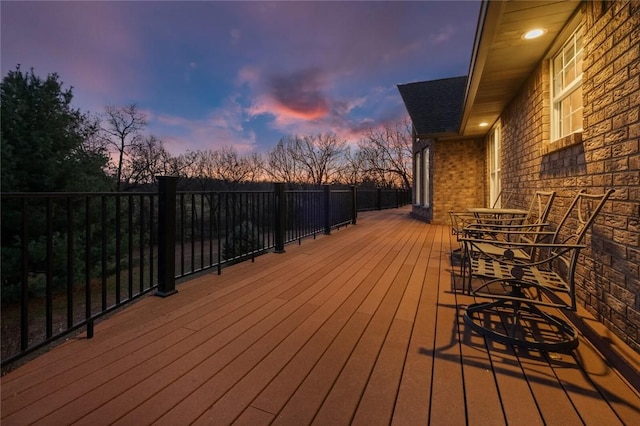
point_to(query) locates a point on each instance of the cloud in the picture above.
(68, 38)
(241, 73)
(443, 35)
(300, 94)
(221, 127)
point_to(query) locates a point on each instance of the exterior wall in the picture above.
(424, 213)
(608, 155)
(458, 177)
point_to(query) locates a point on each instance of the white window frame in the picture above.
(495, 170)
(425, 167)
(563, 90)
(418, 177)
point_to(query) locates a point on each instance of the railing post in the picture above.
(166, 236)
(280, 216)
(354, 204)
(397, 198)
(327, 209)
(379, 198)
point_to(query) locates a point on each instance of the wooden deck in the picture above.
(360, 327)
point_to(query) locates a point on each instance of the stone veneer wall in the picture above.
(458, 177)
(607, 155)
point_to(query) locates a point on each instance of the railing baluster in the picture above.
(118, 248)
(202, 231)
(151, 240)
(49, 296)
(182, 234)
(211, 224)
(130, 248)
(24, 297)
(103, 263)
(87, 267)
(193, 232)
(70, 263)
(218, 236)
(141, 242)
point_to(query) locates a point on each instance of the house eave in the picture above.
(502, 60)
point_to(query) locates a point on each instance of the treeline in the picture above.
(49, 146)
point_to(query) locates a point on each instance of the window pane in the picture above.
(565, 116)
(567, 68)
(569, 73)
(425, 187)
(418, 179)
(576, 108)
(579, 63)
(576, 99)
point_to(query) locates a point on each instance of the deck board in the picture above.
(363, 326)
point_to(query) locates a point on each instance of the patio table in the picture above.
(498, 215)
(483, 211)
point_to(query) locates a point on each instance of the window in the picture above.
(425, 185)
(495, 176)
(421, 178)
(566, 91)
(418, 178)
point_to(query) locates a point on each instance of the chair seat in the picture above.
(491, 249)
(531, 275)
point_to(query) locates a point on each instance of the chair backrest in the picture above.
(539, 207)
(502, 200)
(579, 216)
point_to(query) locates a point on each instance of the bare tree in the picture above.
(121, 131)
(255, 164)
(147, 159)
(226, 165)
(352, 172)
(387, 153)
(321, 156)
(230, 167)
(281, 164)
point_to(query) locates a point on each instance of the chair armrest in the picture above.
(552, 250)
(523, 228)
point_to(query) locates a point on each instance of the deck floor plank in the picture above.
(482, 397)
(414, 392)
(351, 378)
(363, 326)
(447, 397)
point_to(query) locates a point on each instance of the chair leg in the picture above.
(522, 314)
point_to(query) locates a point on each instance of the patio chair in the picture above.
(503, 198)
(497, 225)
(525, 229)
(519, 285)
(462, 219)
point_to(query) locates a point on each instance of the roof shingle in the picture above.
(434, 106)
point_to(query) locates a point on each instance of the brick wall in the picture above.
(607, 155)
(458, 177)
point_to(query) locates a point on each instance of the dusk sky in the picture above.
(212, 74)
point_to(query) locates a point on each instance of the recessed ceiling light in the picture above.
(483, 124)
(534, 33)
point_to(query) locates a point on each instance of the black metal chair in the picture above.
(519, 285)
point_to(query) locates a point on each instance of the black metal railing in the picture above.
(70, 258)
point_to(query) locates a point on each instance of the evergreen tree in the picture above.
(44, 140)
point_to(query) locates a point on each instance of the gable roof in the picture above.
(435, 106)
